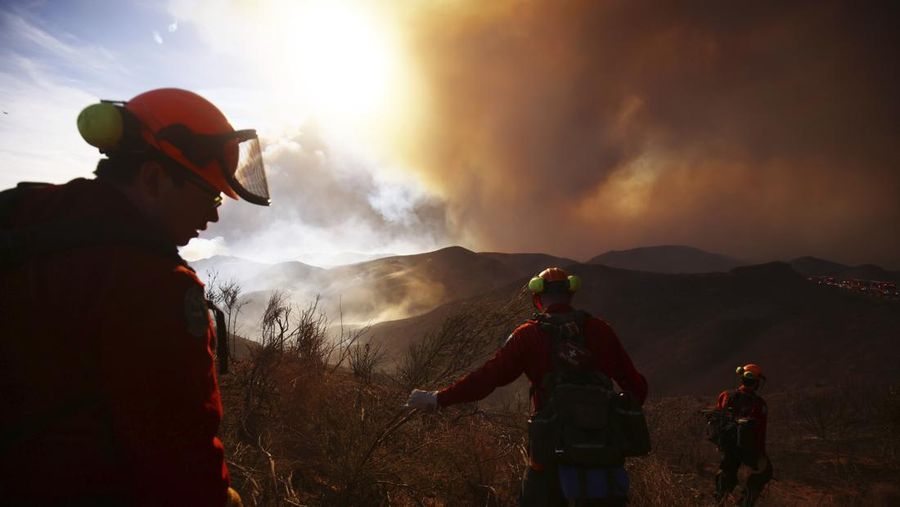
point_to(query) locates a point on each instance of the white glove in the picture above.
(234, 499)
(422, 400)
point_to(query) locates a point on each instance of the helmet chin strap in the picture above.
(536, 301)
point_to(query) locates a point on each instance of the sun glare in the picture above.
(333, 60)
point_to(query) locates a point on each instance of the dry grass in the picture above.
(303, 431)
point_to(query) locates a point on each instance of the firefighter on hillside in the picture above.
(109, 391)
(742, 438)
(536, 349)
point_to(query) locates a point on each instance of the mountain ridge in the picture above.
(667, 259)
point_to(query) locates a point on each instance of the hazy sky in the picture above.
(759, 130)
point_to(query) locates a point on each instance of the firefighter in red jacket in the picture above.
(109, 391)
(528, 351)
(745, 414)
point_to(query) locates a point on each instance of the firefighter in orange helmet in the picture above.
(107, 378)
(538, 349)
(744, 416)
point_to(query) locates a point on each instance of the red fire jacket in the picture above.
(106, 371)
(750, 406)
(528, 350)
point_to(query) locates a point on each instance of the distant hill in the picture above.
(401, 286)
(687, 332)
(667, 259)
(528, 263)
(813, 266)
(251, 275)
(235, 266)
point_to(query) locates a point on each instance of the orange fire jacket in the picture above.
(106, 368)
(750, 406)
(528, 351)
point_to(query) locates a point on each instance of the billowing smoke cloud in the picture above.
(760, 130)
(329, 200)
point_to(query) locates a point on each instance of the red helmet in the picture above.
(552, 286)
(554, 279)
(751, 376)
(186, 128)
(750, 371)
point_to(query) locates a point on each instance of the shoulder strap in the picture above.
(561, 328)
(735, 398)
(222, 352)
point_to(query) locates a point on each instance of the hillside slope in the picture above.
(687, 332)
(813, 266)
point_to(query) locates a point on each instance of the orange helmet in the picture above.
(749, 371)
(554, 280)
(187, 129)
(552, 286)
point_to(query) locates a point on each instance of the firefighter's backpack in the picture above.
(729, 429)
(583, 421)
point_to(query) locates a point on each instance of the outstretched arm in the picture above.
(506, 366)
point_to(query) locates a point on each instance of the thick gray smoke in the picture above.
(761, 130)
(328, 202)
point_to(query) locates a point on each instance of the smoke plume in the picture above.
(761, 130)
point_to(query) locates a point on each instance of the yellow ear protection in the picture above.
(538, 285)
(746, 374)
(110, 127)
(101, 125)
(749, 375)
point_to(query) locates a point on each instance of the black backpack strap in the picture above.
(735, 400)
(221, 337)
(543, 322)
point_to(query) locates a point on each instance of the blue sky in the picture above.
(61, 56)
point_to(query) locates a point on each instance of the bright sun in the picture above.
(333, 60)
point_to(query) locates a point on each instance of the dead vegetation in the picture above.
(314, 421)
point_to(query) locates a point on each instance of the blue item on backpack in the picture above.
(579, 482)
